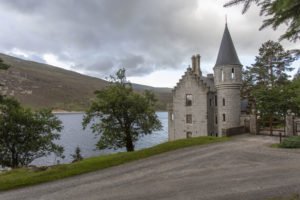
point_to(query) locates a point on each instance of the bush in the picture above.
(291, 142)
(77, 156)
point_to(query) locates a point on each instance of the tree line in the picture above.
(268, 87)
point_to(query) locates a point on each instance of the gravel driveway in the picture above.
(243, 168)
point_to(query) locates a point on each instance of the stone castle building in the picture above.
(211, 105)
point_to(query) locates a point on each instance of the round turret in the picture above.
(228, 81)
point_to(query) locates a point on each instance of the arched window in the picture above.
(232, 73)
(172, 116)
(223, 101)
(224, 118)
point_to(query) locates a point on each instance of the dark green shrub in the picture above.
(291, 142)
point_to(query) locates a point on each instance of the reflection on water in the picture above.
(73, 135)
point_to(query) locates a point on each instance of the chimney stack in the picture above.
(198, 70)
(194, 63)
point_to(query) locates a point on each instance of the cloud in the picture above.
(99, 36)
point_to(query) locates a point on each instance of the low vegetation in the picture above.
(25, 176)
(291, 142)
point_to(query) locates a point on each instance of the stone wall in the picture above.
(178, 127)
(245, 121)
(292, 124)
(228, 113)
(233, 131)
(228, 79)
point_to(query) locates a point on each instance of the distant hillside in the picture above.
(39, 85)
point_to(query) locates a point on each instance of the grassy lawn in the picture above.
(25, 177)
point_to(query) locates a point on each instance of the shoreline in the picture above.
(67, 112)
(80, 112)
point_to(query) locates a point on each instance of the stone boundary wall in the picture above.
(233, 131)
(292, 124)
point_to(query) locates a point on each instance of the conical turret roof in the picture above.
(227, 54)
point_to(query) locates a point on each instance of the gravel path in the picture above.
(244, 168)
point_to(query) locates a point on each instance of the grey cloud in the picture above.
(99, 36)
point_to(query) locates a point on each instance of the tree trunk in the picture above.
(271, 124)
(129, 144)
(14, 159)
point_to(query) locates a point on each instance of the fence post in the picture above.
(280, 137)
(253, 122)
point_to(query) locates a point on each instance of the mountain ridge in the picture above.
(37, 85)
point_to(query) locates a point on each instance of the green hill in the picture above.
(39, 85)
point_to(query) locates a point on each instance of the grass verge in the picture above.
(25, 177)
(291, 142)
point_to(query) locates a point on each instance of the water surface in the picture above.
(73, 135)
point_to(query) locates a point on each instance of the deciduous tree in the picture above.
(120, 115)
(26, 135)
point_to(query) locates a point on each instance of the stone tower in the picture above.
(228, 80)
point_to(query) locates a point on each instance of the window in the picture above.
(209, 102)
(232, 73)
(216, 120)
(189, 134)
(172, 116)
(224, 118)
(188, 100)
(223, 101)
(222, 75)
(189, 119)
(216, 101)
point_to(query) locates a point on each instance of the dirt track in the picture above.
(244, 168)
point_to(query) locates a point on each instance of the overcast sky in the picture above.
(152, 39)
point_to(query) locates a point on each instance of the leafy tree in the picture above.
(295, 86)
(266, 83)
(120, 115)
(26, 135)
(274, 102)
(279, 12)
